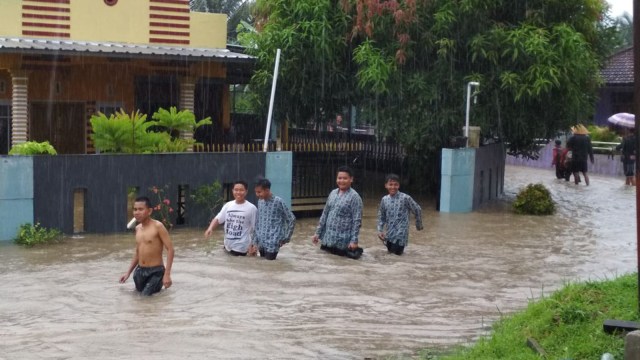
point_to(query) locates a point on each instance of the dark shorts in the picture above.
(235, 253)
(352, 254)
(267, 254)
(148, 279)
(579, 166)
(394, 248)
(629, 169)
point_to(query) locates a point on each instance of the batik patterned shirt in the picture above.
(341, 219)
(394, 214)
(275, 224)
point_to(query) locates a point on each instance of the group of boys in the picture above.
(249, 230)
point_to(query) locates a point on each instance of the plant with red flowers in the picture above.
(162, 211)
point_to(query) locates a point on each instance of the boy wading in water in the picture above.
(275, 222)
(151, 238)
(239, 218)
(394, 215)
(341, 218)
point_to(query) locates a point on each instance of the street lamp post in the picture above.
(466, 122)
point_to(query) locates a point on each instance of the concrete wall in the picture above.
(44, 189)
(603, 164)
(488, 181)
(106, 179)
(279, 170)
(131, 21)
(471, 177)
(16, 194)
(456, 189)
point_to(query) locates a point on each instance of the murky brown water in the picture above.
(456, 277)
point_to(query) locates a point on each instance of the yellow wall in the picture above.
(208, 30)
(127, 21)
(10, 17)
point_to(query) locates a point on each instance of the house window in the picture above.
(5, 128)
(240, 101)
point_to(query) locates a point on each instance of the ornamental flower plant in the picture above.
(163, 211)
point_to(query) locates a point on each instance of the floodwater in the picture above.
(457, 277)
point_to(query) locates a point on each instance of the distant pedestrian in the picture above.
(339, 225)
(393, 216)
(559, 154)
(275, 222)
(579, 144)
(628, 148)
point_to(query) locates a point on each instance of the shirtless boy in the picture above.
(151, 238)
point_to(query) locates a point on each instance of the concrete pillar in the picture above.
(187, 101)
(632, 345)
(19, 107)
(279, 170)
(457, 179)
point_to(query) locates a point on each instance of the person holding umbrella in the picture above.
(628, 145)
(628, 148)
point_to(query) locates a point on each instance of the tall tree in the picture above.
(537, 63)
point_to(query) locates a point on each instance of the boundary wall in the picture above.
(93, 190)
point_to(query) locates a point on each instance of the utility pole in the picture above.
(636, 111)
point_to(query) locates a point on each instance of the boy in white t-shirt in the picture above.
(239, 219)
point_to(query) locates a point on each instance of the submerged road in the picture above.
(457, 277)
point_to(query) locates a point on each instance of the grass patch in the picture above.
(568, 324)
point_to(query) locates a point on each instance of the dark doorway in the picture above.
(62, 124)
(5, 126)
(155, 92)
(208, 102)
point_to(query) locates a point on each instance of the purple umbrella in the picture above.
(623, 119)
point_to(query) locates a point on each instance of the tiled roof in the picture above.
(46, 46)
(619, 68)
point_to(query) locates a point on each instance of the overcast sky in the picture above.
(618, 7)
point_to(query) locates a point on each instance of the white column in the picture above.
(19, 107)
(187, 101)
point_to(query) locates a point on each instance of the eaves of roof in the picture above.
(112, 49)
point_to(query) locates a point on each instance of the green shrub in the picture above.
(33, 148)
(602, 133)
(209, 195)
(534, 200)
(30, 235)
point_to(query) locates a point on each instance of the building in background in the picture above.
(61, 61)
(616, 94)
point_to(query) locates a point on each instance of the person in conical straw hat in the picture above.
(580, 146)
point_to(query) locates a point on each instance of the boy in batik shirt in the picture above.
(341, 218)
(275, 222)
(394, 214)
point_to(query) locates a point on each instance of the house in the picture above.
(61, 61)
(616, 95)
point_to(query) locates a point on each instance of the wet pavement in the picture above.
(456, 278)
